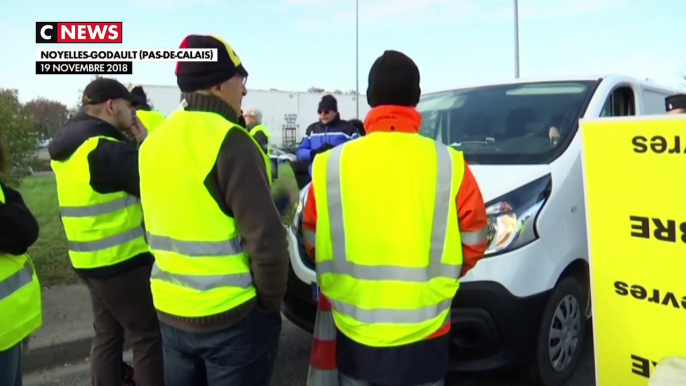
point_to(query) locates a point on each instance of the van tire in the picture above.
(569, 294)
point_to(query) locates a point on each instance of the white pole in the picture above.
(516, 34)
(357, 58)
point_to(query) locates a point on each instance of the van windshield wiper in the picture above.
(486, 141)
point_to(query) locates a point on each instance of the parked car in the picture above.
(282, 156)
(526, 304)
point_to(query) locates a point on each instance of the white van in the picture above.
(526, 302)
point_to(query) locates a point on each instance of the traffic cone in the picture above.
(323, 370)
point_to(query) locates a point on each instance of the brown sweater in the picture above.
(240, 185)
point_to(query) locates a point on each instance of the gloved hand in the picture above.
(321, 149)
(325, 147)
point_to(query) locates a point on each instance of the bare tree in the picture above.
(48, 115)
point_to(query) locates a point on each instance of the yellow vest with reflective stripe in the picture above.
(388, 245)
(261, 128)
(20, 298)
(102, 229)
(150, 119)
(200, 268)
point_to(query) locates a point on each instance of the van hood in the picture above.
(497, 180)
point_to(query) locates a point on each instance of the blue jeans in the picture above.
(242, 355)
(11, 363)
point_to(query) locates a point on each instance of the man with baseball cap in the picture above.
(96, 167)
(221, 259)
(676, 104)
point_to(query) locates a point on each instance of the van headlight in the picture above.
(299, 208)
(512, 217)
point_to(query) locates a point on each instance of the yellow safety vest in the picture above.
(102, 229)
(388, 245)
(20, 298)
(200, 268)
(261, 128)
(150, 119)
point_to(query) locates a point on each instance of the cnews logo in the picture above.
(78, 32)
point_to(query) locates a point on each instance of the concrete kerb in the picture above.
(67, 331)
(57, 354)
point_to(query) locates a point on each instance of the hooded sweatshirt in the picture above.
(18, 227)
(113, 168)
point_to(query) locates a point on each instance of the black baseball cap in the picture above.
(103, 89)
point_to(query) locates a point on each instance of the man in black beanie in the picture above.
(221, 254)
(391, 300)
(328, 132)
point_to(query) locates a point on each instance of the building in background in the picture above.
(285, 113)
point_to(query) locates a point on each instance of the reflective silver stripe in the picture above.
(19, 279)
(109, 242)
(389, 315)
(309, 237)
(388, 272)
(99, 209)
(319, 377)
(195, 248)
(340, 264)
(203, 282)
(474, 238)
(324, 326)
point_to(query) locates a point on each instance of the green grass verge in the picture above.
(50, 251)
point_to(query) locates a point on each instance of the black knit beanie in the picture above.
(393, 80)
(140, 93)
(194, 76)
(328, 102)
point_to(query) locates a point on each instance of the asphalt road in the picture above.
(291, 368)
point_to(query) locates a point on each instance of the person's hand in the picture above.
(282, 200)
(554, 135)
(138, 130)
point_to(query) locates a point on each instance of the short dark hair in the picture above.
(359, 125)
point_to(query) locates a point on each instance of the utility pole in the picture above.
(516, 34)
(357, 58)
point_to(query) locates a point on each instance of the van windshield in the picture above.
(505, 124)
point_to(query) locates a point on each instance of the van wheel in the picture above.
(562, 333)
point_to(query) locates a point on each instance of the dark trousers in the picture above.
(241, 355)
(345, 380)
(124, 303)
(11, 363)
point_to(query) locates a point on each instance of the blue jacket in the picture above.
(317, 134)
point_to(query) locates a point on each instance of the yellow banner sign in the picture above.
(635, 183)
